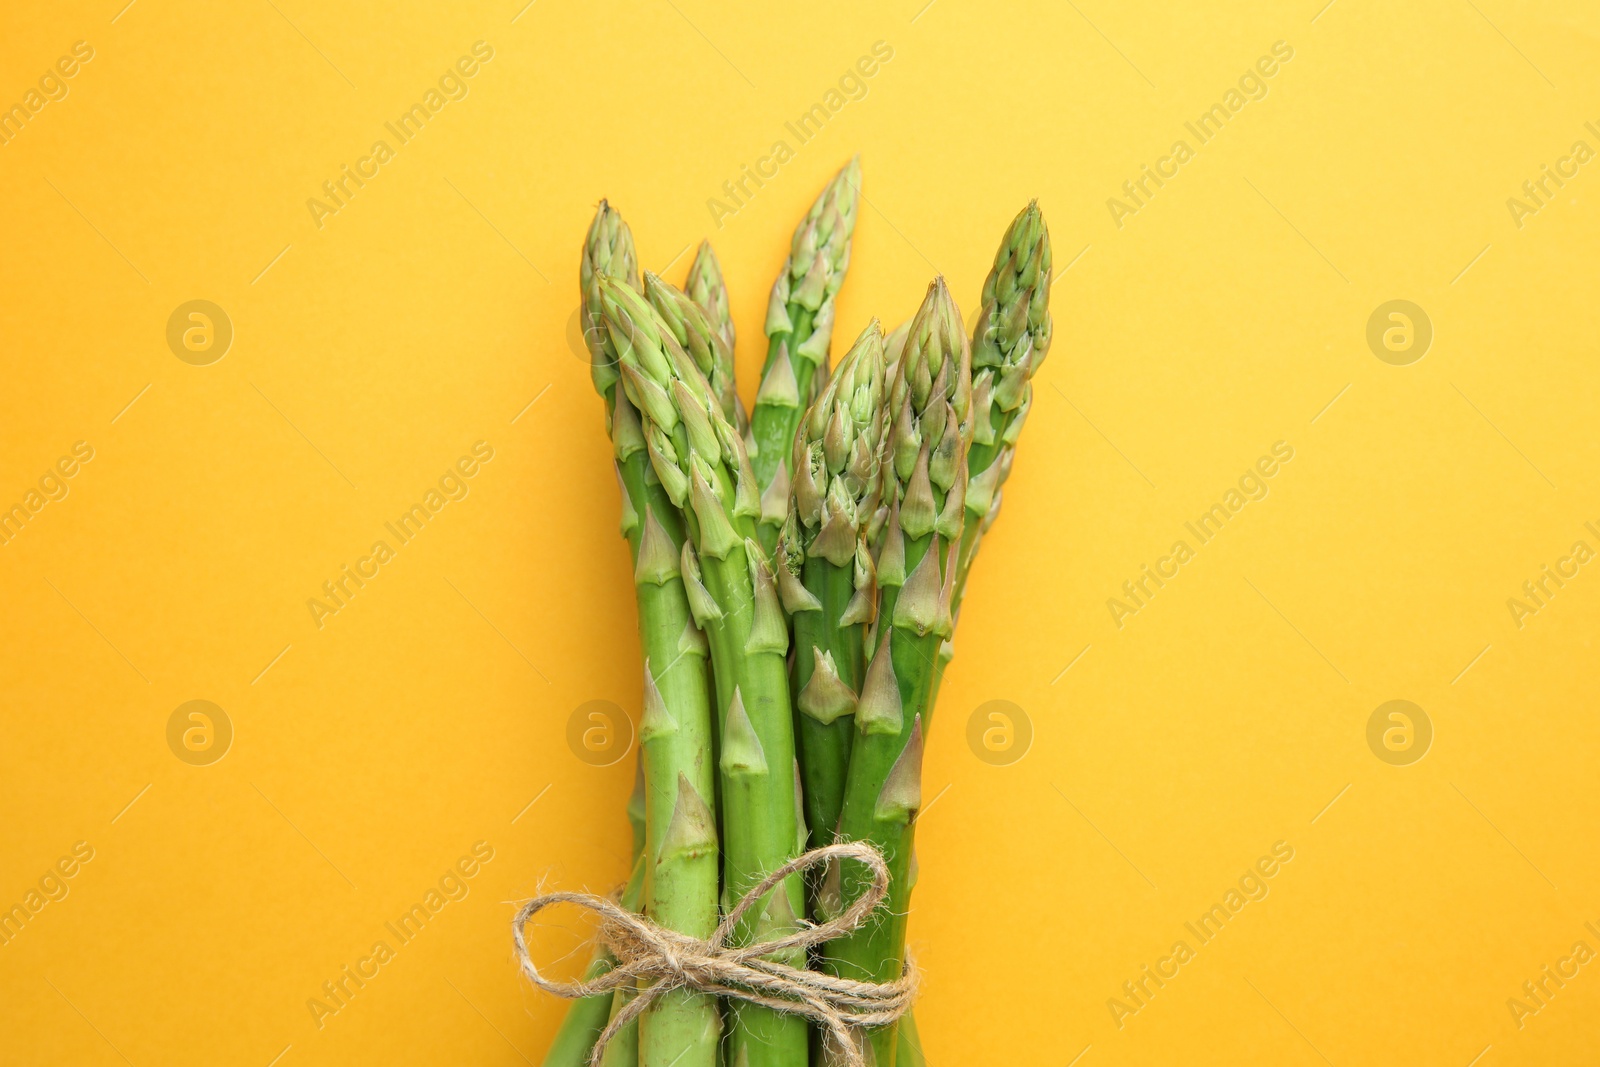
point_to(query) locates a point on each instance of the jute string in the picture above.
(656, 960)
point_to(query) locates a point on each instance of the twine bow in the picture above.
(657, 960)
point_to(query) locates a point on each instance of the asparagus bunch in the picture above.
(703, 468)
(930, 402)
(679, 848)
(872, 487)
(799, 328)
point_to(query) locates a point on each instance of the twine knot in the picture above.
(656, 960)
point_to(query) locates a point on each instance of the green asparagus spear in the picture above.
(588, 1016)
(894, 347)
(827, 576)
(910, 1051)
(703, 467)
(623, 1049)
(675, 737)
(680, 1027)
(1009, 342)
(680, 845)
(706, 287)
(799, 327)
(931, 406)
(584, 1019)
(607, 253)
(693, 328)
(636, 806)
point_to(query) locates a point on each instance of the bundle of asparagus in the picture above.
(798, 572)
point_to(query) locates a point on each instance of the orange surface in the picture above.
(188, 492)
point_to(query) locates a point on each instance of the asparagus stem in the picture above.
(675, 737)
(608, 251)
(623, 1049)
(680, 843)
(583, 1022)
(588, 1016)
(635, 809)
(835, 512)
(824, 742)
(910, 1043)
(931, 404)
(703, 467)
(799, 327)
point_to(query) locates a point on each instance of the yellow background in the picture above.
(426, 315)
